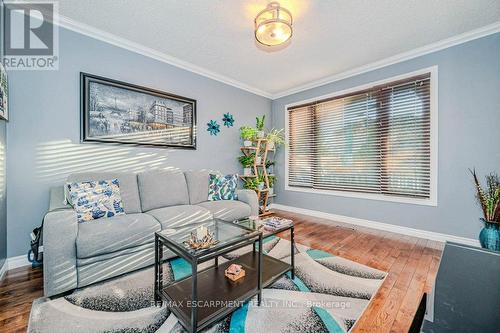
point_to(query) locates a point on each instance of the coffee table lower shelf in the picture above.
(217, 295)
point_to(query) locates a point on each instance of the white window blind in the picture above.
(371, 141)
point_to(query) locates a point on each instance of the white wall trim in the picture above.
(430, 48)
(12, 263)
(16, 262)
(436, 236)
(124, 43)
(112, 39)
(433, 199)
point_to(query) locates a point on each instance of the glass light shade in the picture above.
(273, 25)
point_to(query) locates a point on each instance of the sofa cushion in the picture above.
(197, 182)
(227, 210)
(128, 186)
(175, 216)
(162, 189)
(222, 187)
(115, 234)
(93, 200)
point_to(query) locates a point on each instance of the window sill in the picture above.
(370, 196)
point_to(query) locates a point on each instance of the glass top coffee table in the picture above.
(206, 296)
(257, 225)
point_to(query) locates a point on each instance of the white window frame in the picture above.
(432, 200)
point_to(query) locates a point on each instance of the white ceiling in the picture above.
(330, 36)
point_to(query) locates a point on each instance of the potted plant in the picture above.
(260, 126)
(246, 161)
(275, 138)
(247, 133)
(269, 163)
(258, 160)
(250, 183)
(261, 181)
(271, 180)
(489, 200)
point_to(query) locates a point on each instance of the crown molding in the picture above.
(112, 39)
(430, 48)
(124, 43)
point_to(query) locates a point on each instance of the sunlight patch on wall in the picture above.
(55, 160)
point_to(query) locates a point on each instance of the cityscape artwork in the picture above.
(118, 112)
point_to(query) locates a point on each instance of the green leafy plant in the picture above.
(261, 178)
(251, 183)
(276, 137)
(246, 160)
(260, 123)
(272, 180)
(489, 197)
(248, 133)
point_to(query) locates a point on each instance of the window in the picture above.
(372, 142)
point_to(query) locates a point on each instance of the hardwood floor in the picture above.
(412, 264)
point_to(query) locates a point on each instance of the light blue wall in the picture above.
(43, 134)
(469, 133)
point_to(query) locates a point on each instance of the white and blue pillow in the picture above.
(222, 187)
(93, 200)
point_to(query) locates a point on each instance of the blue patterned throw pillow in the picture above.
(96, 199)
(222, 187)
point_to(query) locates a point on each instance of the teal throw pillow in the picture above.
(222, 187)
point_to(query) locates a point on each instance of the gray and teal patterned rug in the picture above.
(328, 294)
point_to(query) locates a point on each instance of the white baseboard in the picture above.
(436, 236)
(16, 262)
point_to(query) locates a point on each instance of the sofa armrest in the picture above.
(57, 200)
(60, 229)
(249, 197)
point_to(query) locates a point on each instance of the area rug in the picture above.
(328, 294)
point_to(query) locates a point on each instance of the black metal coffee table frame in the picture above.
(195, 259)
(268, 233)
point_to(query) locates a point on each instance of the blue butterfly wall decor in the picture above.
(228, 119)
(213, 128)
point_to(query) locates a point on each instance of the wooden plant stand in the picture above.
(260, 149)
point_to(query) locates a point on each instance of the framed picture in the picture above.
(4, 94)
(119, 112)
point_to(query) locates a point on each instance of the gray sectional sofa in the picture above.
(78, 254)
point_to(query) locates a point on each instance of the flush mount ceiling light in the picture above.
(273, 25)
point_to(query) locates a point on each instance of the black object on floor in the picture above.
(418, 320)
(466, 293)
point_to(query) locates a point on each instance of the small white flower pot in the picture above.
(258, 160)
(260, 186)
(260, 134)
(247, 171)
(270, 145)
(247, 143)
(271, 191)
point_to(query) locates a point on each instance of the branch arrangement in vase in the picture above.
(489, 200)
(489, 197)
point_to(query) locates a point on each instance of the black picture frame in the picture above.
(145, 120)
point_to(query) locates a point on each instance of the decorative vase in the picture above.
(489, 237)
(247, 171)
(247, 143)
(260, 134)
